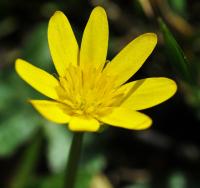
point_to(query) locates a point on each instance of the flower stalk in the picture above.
(73, 160)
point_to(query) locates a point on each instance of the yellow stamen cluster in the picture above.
(88, 91)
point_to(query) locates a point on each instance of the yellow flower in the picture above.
(90, 92)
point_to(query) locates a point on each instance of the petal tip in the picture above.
(17, 61)
(19, 65)
(16, 64)
(31, 101)
(145, 125)
(99, 10)
(173, 86)
(57, 13)
(152, 36)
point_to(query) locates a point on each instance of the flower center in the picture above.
(88, 91)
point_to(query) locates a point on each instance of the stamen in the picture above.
(88, 91)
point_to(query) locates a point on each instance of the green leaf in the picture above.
(25, 170)
(36, 48)
(15, 131)
(177, 180)
(139, 185)
(6, 94)
(89, 170)
(176, 56)
(179, 6)
(59, 141)
(55, 181)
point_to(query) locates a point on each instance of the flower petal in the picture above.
(95, 40)
(81, 123)
(131, 58)
(62, 42)
(37, 78)
(145, 93)
(126, 118)
(51, 110)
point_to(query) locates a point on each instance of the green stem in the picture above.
(73, 160)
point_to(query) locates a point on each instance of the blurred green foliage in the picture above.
(179, 6)
(177, 57)
(34, 152)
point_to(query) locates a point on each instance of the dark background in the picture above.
(33, 152)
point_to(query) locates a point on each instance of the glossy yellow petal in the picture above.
(126, 118)
(62, 42)
(131, 58)
(81, 123)
(145, 93)
(37, 78)
(95, 40)
(51, 110)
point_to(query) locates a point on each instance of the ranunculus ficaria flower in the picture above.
(88, 91)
